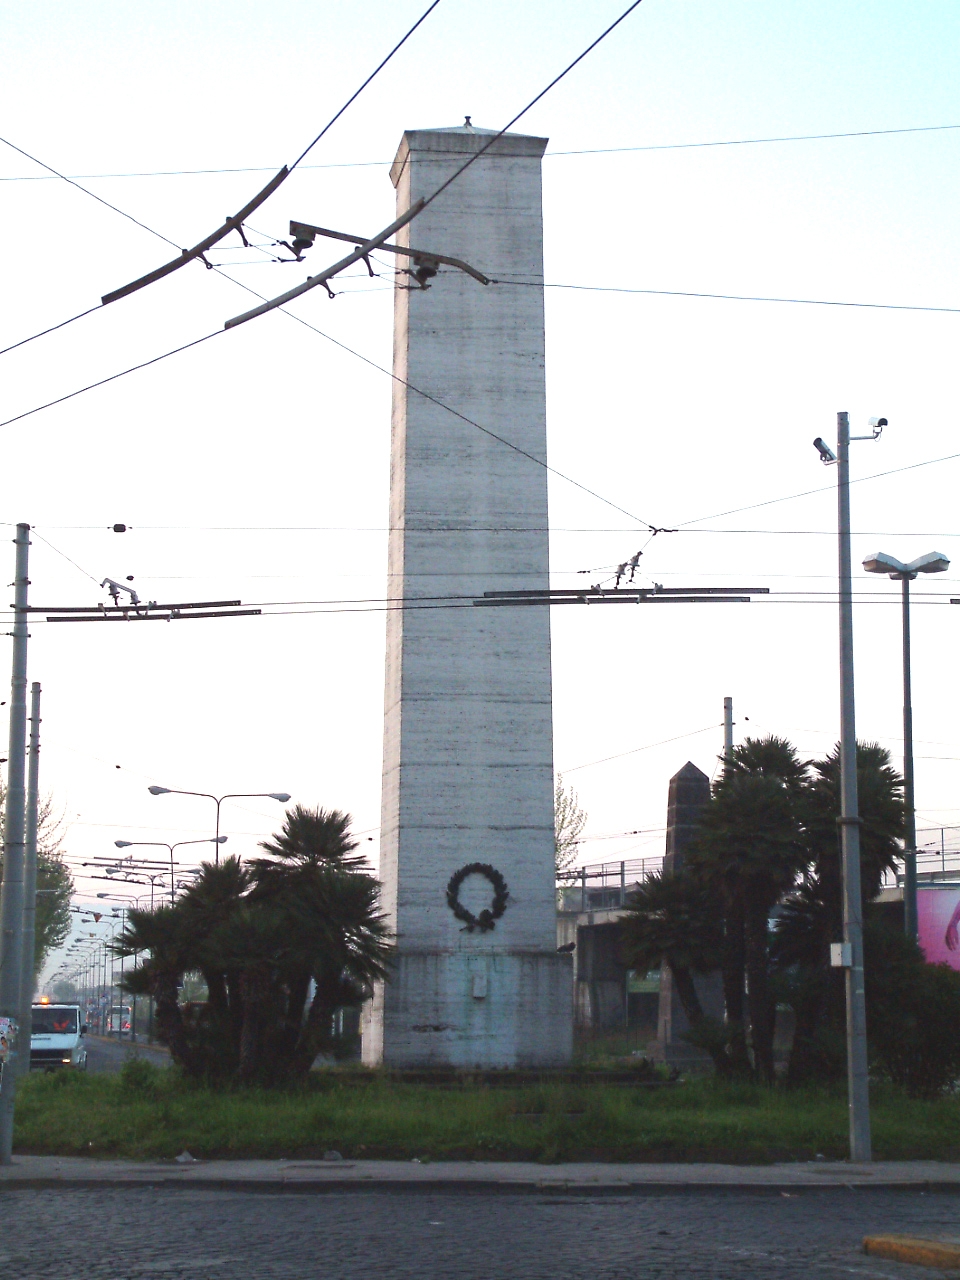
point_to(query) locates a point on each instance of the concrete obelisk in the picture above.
(468, 732)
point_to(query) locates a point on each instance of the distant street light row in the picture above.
(280, 796)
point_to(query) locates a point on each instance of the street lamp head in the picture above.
(880, 562)
(219, 840)
(159, 791)
(932, 562)
(279, 795)
(123, 844)
(827, 456)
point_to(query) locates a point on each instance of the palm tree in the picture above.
(281, 944)
(811, 915)
(673, 919)
(750, 850)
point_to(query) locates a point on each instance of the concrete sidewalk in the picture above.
(508, 1177)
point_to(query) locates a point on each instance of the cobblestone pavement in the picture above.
(138, 1234)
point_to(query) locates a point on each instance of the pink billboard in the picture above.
(938, 920)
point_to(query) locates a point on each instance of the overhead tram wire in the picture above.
(236, 222)
(584, 151)
(724, 297)
(188, 255)
(416, 209)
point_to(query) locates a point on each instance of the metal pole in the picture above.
(858, 1087)
(27, 974)
(216, 846)
(728, 729)
(909, 813)
(11, 896)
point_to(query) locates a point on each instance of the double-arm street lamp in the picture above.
(281, 796)
(218, 840)
(932, 562)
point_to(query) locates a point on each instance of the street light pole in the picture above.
(282, 796)
(932, 562)
(162, 844)
(909, 797)
(11, 895)
(30, 873)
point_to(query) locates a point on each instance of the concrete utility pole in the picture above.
(857, 1080)
(11, 897)
(30, 879)
(728, 729)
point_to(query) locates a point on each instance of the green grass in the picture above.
(144, 1113)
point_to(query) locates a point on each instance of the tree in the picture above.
(750, 852)
(811, 918)
(673, 919)
(53, 877)
(568, 823)
(768, 848)
(281, 943)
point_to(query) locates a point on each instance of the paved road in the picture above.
(150, 1234)
(108, 1055)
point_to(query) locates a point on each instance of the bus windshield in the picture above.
(48, 1020)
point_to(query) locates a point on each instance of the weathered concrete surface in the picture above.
(306, 1175)
(468, 734)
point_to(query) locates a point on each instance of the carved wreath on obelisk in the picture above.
(488, 917)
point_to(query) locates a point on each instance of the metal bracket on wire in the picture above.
(621, 595)
(360, 252)
(143, 612)
(425, 263)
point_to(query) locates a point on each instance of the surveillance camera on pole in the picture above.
(849, 821)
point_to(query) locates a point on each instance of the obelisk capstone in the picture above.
(468, 731)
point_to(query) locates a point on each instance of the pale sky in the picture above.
(256, 465)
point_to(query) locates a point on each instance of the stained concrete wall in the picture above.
(468, 755)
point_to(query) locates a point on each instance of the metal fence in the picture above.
(605, 886)
(602, 886)
(938, 857)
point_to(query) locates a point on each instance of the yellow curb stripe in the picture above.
(922, 1253)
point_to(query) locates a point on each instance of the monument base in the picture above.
(472, 1009)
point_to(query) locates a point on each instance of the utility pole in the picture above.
(857, 1080)
(728, 729)
(11, 896)
(30, 880)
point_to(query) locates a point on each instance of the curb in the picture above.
(497, 1186)
(914, 1249)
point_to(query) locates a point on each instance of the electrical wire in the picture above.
(423, 17)
(112, 378)
(56, 173)
(588, 151)
(727, 297)
(828, 488)
(709, 728)
(37, 534)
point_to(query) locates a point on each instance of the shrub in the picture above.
(913, 1018)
